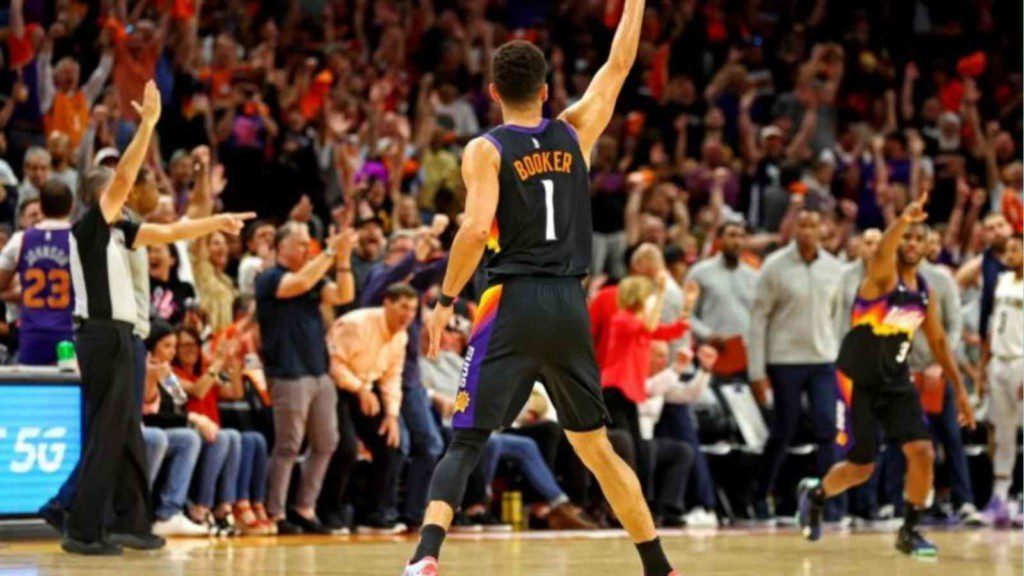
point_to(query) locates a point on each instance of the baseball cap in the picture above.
(108, 153)
(769, 131)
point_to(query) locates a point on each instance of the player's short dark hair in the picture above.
(400, 291)
(812, 208)
(923, 226)
(55, 199)
(519, 70)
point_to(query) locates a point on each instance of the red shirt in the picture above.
(1013, 210)
(629, 353)
(207, 405)
(602, 308)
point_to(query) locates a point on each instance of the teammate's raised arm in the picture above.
(590, 116)
(881, 268)
(113, 198)
(480, 164)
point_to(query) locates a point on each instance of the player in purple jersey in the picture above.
(41, 258)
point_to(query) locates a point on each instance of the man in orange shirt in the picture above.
(65, 105)
(367, 348)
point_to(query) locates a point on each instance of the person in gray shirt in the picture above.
(793, 344)
(726, 291)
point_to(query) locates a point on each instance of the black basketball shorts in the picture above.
(871, 406)
(530, 329)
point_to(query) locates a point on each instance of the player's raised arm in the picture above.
(590, 116)
(881, 268)
(113, 198)
(480, 164)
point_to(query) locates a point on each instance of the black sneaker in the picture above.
(763, 513)
(286, 528)
(809, 513)
(308, 526)
(672, 521)
(98, 548)
(225, 525)
(137, 541)
(54, 514)
(337, 524)
(910, 542)
(488, 522)
(462, 524)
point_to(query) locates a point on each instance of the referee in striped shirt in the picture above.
(113, 468)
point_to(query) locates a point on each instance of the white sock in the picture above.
(1001, 488)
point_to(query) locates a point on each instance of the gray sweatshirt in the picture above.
(726, 297)
(943, 288)
(853, 276)
(795, 311)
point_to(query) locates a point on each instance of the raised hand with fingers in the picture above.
(149, 110)
(914, 213)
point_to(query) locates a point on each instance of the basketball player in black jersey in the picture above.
(874, 381)
(528, 198)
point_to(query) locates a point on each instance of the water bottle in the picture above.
(67, 361)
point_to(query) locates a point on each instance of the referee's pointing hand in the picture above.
(233, 222)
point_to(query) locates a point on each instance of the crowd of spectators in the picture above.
(750, 134)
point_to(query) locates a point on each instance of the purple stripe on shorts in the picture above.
(475, 355)
(490, 138)
(528, 129)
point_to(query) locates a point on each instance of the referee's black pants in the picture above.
(113, 464)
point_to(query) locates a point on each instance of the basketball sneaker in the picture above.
(809, 513)
(912, 543)
(425, 567)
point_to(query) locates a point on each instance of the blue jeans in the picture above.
(788, 382)
(252, 471)
(156, 449)
(219, 462)
(527, 456)
(425, 447)
(945, 431)
(182, 453)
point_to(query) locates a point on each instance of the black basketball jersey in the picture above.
(543, 225)
(882, 332)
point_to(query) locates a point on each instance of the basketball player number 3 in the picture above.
(549, 203)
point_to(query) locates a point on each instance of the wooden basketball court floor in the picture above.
(695, 552)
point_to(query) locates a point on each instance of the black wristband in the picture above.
(445, 300)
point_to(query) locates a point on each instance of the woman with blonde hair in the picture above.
(633, 328)
(216, 290)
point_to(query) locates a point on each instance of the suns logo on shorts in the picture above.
(461, 401)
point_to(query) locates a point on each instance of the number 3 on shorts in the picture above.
(549, 211)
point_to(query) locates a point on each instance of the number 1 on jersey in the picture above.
(549, 204)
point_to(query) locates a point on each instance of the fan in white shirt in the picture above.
(665, 385)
